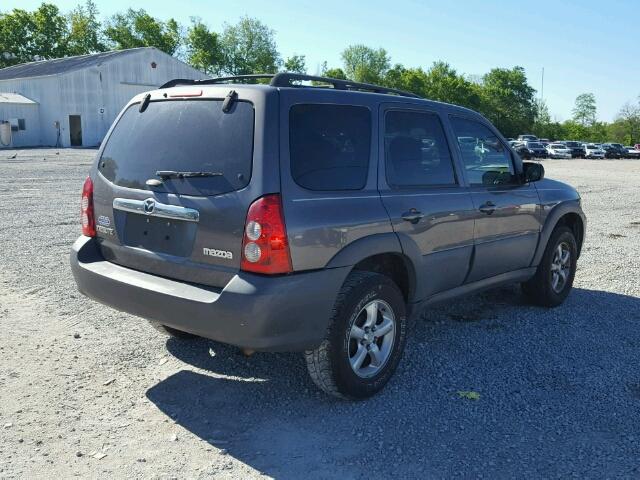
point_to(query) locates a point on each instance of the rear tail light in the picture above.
(265, 248)
(86, 209)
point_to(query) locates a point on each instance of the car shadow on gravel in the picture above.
(558, 396)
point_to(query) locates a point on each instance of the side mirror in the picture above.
(533, 172)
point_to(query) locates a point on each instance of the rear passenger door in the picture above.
(507, 225)
(430, 210)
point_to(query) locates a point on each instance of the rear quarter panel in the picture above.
(321, 223)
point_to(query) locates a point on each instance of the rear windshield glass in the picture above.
(329, 146)
(182, 136)
(535, 145)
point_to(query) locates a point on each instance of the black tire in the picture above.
(172, 332)
(329, 364)
(540, 288)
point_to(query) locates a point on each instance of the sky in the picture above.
(583, 46)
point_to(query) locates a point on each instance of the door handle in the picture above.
(488, 207)
(412, 216)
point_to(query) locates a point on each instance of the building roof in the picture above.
(63, 65)
(16, 98)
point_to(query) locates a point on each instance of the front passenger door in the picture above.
(507, 223)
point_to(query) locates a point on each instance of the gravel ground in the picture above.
(87, 391)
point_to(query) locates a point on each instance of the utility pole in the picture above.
(542, 87)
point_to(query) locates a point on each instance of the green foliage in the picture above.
(136, 28)
(249, 47)
(204, 51)
(334, 73)
(508, 100)
(584, 111)
(295, 64)
(365, 64)
(441, 83)
(84, 30)
(626, 127)
(28, 36)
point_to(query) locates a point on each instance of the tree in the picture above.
(365, 64)
(28, 36)
(445, 85)
(295, 64)
(84, 30)
(409, 79)
(136, 28)
(204, 51)
(584, 111)
(508, 100)
(249, 47)
(325, 71)
(626, 127)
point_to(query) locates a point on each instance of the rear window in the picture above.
(329, 146)
(183, 136)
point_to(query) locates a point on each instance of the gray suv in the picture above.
(283, 216)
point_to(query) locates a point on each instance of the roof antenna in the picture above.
(231, 97)
(145, 102)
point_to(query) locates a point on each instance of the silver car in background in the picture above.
(593, 151)
(558, 150)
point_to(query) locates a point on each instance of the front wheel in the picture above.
(365, 338)
(553, 280)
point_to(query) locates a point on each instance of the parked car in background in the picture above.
(593, 151)
(637, 146)
(632, 152)
(558, 150)
(527, 138)
(537, 149)
(577, 150)
(620, 148)
(610, 151)
(521, 149)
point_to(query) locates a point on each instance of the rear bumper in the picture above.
(284, 313)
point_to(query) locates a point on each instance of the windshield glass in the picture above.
(535, 145)
(181, 136)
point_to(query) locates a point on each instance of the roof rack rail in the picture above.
(287, 79)
(212, 81)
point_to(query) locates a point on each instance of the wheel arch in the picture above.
(380, 253)
(568, 214)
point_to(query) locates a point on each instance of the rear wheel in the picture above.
(553, 280)
(172, 332)
(365, 338)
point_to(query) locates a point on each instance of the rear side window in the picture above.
(329, 146)
(416, 151)
(182, 136)
(486, 160)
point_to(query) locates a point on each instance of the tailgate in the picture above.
(173, 186)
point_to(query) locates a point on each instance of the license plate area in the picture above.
(174, 237)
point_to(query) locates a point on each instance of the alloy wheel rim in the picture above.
(371, 338)
(560, 267)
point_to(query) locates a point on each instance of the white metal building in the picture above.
(73, 101)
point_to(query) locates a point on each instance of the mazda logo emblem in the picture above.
(149, 206)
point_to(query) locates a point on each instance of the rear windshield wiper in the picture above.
(175, 174)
